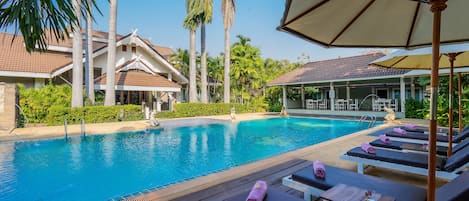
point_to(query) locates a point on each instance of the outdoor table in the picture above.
(342, 192)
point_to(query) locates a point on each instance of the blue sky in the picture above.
(161, 21)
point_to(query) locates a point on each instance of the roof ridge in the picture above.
(345, 58)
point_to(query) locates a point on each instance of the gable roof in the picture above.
(14, 58)
(342, 69)
(137, 78)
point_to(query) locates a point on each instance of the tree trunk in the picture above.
(203, 66)
(77, 86)
(89, 56)
(226, 91)
(192, 69)
(110, 98)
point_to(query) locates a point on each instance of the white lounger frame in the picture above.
(361, 162)
(307, 190)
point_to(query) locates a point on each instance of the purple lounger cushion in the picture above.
(258, 191)
(440, 150)
(335, 176)
(409, 159)
(272, 195)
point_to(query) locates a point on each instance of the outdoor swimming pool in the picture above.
(102, 167)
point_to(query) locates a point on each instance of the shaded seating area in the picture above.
(447, 168)
(306, 182)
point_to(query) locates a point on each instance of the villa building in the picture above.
(350, 86)
(143, 73)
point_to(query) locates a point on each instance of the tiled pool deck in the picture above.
(328, 152)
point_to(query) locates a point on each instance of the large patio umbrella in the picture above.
(451, 56)
(384, 23)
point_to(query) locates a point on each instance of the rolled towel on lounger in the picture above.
(319, 169)
(258, 191)
(410, 126)
(399, 130)
(384, 139)
(368, 148)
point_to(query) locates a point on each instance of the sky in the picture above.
(161, 22)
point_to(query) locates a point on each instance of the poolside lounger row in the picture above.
(421, 138)
(424, 129)
(447, 168)
(305, 181)
(417, 147)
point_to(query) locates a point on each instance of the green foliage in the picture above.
(206, 109)
(35, 18)
(414, 108)
(94, 114)
(35, 103)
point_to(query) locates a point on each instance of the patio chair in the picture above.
(447, 168)
(353, 104)
(305, 181)
(322, 104)
(416, 147)
(413, 137)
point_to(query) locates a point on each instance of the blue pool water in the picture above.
(102, 167)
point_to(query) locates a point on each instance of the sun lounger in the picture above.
(442, 140)
(417, 147)
(305, 181)
(447, 168)
(423, 129)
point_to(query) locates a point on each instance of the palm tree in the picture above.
(40, 19)
(206, 16)
(191, 22)
(89, 55)
(110, 97)
(228, 11)
(77, 53)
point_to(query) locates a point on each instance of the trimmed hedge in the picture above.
(204, 109)
(93, 114)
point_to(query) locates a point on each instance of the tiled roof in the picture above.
(13, 57)
(337, 69)
(138, 78)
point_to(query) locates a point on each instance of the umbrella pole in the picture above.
(436, 7)
(460, 102)
(452, 57)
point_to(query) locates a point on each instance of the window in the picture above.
(97, 72)
(124, 48)
(134, 49)
(382, 93)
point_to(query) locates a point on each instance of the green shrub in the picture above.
(413, 109)
(35, 103)
(205, 109)
(93, 114)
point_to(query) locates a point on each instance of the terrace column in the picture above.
(332, 95)
(412, 88)
(158, 101)
(347, 90)
(402, 90)
(303, 96)
(284, 96)
(170, 101)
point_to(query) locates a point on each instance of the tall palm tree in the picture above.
(206, 17)
(110, 97)
(40, 19)
(77, 53)
(89, 55)
(191, 22)
(228, 11)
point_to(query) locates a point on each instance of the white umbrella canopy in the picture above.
(384, 23)
(422, 58)
(373, 23)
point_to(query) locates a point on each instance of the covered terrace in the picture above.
(348, 87)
